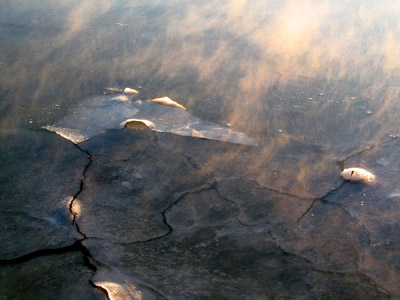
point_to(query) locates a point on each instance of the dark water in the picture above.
(326, 72)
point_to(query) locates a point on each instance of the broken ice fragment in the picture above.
(126, 90)
(358, 175)
(113, 89)
(76, 209)
(130, 91)
(168, 102)
(114, 290)
(138, 124)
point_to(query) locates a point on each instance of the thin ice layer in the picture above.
(180, 122)
(95, 115)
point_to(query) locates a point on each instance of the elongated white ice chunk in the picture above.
(130, 91)
(168, 102)
(358, 174)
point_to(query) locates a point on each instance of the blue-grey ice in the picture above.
(95, 115)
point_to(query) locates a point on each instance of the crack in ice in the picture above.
(165, 210)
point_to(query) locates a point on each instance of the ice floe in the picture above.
(358, 175)
(95, 115)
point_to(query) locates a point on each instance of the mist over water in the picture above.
(321, 71)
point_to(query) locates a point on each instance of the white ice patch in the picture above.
(130, 91)
(358, 175)
(168, 102)
(95, 115)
